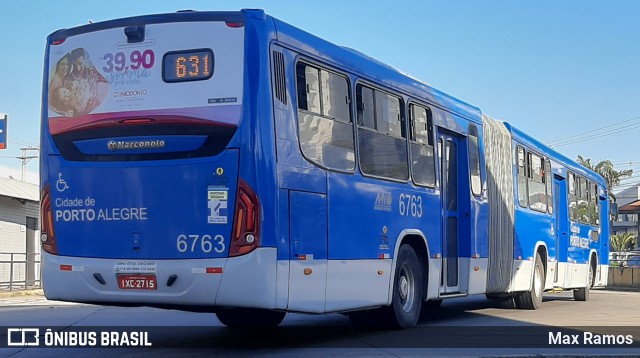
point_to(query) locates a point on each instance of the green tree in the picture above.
(622, 242)
(607, 171)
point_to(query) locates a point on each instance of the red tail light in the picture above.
(235, 24)
(47, 235)
(138, 121)
(246, 225)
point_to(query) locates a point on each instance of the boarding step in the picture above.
(453, 295)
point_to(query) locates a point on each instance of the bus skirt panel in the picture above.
(244, 281)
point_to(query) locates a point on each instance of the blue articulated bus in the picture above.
(229, 162)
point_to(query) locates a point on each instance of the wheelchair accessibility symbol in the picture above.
(61, 184)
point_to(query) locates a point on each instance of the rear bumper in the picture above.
(244, 281)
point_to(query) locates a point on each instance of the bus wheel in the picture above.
(249, 317)
(430, 308)
(505, 300)
(582, 294)
(407, 289)
(532, 299)
(369, 319)
(510, 302)
(431, 304)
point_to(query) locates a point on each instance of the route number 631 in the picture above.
(200, 243)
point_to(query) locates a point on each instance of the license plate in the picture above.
(137, 282)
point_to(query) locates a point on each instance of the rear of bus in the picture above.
(143, 195)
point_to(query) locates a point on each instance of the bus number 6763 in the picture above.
(203, 243)
(410, 205)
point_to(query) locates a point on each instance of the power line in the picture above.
(576, 136)
(595, 130)
(627, 164)
(22, 142)
(594, 136)
(25, 158)
(627, 185)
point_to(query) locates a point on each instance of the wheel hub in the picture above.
(537, 282)
(404, 287)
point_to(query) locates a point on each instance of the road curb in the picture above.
(620, 288)
(8, 294)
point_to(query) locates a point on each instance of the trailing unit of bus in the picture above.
(230, 162)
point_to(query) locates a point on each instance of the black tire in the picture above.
(532, 299)
(249, 317)
(505, 300)
(406, 303)
(582, 294)
(369, 319)
(510, 302)
(431, 305)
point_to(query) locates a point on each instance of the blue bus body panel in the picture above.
(308, 226)
(578, 239)
(365, 220)
(158, 144)
(121, 210)
(176, 207)
(531, 227)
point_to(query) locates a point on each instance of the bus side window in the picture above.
(366, 108)
(381, 136)
(536, 185)
(549, 183)
(474, 161)
(573, 199)
(522, 177)
(583, 200)
(324, 118)
(594, 204)
(421, 139)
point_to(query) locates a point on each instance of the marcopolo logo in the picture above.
(23, 337)
(135, 144)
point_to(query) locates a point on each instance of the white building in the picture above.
(19, 230)
(628, 210)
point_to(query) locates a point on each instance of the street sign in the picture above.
(3, 131)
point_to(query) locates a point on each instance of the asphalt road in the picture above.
(470, 327)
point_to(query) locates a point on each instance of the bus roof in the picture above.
(370, 68)
(554, 155)
(180, 16)
(347, 59)
(367, 67)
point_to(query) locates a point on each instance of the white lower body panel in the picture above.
(602, 275)
(245, 281)
(478, 275)
(522, 275)
(355, 284)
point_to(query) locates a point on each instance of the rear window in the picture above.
(99, 78)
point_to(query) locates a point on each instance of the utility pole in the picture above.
(24, 158)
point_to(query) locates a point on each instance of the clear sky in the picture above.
(562, 71)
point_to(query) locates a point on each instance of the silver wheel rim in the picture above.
(537, 282)
(406, 288)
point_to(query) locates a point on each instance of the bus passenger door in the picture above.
(452, 176)
(307, 251)
(561, 227)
